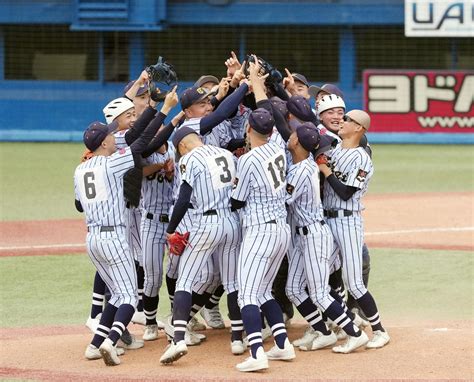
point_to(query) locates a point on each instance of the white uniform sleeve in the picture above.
(120, 142)
(296, 184)
(361, 168)
(243, 178)
(189, 169)
(121, 161)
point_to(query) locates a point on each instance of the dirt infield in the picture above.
(422, 350)
(429, 350)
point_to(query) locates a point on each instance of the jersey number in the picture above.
(226, 176)
(159, 177)
(278, 176)
(89, 185)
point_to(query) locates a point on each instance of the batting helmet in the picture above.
(116, 107)
(330, 101)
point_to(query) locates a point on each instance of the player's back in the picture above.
(262, 174)
(98, 184)
(210, 171)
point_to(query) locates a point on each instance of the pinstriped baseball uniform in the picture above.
(262, 185)
(217, 137)
(310, 262)
(210, 172)
(157, 198)
(353, 167)
(98, 185)
(133, 214)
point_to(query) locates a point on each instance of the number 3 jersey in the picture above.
(353, 167)
(261, 183)
(98, 185)
(210, 171)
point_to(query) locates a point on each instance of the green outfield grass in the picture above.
(56, 290)
(36, 179)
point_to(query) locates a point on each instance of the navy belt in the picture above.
(271, 222)
(210, 213)
(304, 230)
(335, 213)
(105, 228)
(162, 218)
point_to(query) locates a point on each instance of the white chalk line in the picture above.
(82, 245)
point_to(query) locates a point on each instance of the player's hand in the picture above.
(171, 100)
(223, 88)
(168, 166)
(177, 119)
(238, 76)
(232, 64)
(144, 78)
(289, 82)
(254, 67)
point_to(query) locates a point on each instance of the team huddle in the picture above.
(246, 185)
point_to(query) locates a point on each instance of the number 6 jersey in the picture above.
(210, 171)
(261, 183)
(98, 185)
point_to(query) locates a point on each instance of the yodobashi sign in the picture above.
(439, 18)
(420, 101)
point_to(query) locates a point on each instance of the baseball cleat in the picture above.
(360, 322)
(238, 347)
(151, 333)
(340, 334)
(351, 344)
(200, 336)
(134, 344)
(109, 353)
(194, 325)
(266, 333)
(93, 353)
(174, 352)
(380, 339)
(319, 341)
(254, 364)
(161, 324)
(93, 323)
(213, 317)
(139, 318)
(285, 354)
(307, 336)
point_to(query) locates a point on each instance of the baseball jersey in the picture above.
(239, 121)
(157, 189)
(120, 142)
(210, 171)
(303, 192)
(98, 185)
(353, 167)
(218, 136)
(261, 183)
(324, 131)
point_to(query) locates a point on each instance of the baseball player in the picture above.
(347, 172)
(207, 174)
(98, 184)
(311, 257)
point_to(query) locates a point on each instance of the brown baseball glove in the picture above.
(177, 242)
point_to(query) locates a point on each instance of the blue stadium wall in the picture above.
(40, 110)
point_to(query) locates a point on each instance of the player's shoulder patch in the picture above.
(290, 188)
(122, 151)
(182, 168)
(236, 182)
(361, 175)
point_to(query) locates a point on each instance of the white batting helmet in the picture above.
(330, 101)
(116, 107)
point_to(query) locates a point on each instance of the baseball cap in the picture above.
(361, 117)
(308, 136)
(261, 121)
(180, 134)
(279, 104)
(330, 101)
(116, 107)
(326, 143)
(300, 108)
(96, 133)
(192, 95)
(141, 90)
(300, 78)
(206, 78)
(328, 88)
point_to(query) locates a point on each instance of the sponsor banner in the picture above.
(421, 101)
(439, 18)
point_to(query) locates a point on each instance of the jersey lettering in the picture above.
(276, 167)
(89, 186)
(222, 170)
(92, 185)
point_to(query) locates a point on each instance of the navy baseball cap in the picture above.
(261, 121)
(308, 136)
(300, 78)
(326, 143)
(141, 90)
(300, 108)
(192, 95)
(327, 88)
(180, 134)
(280, 105)
(96, 133)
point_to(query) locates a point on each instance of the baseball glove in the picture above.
(177, 243)
(322, 159)
(86, 155)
